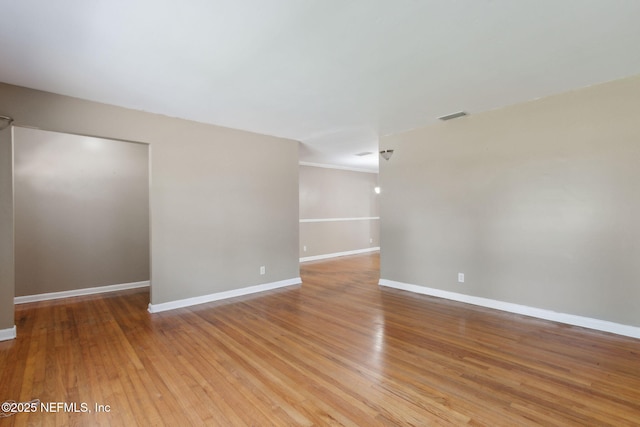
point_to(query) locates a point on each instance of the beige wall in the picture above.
(223, 202)
(538, 204)
(6, 230)
(330, 194)
(81, 211)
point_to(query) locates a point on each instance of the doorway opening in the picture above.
(81, 214)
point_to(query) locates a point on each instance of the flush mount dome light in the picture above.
(386, 154)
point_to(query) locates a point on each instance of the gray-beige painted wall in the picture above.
(537, 203)
(7, 288)
(81, 212)
(336, 207)
(223, 202)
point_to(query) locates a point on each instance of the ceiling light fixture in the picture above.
(453, 115)
(386, 154)
(5, 122)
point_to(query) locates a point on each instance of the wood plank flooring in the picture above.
(337, 350)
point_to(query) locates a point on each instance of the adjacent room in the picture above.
(320, 213)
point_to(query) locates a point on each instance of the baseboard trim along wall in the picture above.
(187, 302)
(8, 334)
(571, 319)
(339, 254)
(79, 292)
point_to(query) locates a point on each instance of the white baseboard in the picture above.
(571, 319)
(187, 302)
(339, 254)
(79, 292)
(8, 334)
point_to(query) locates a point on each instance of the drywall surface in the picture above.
(6, 231)
(537, 204)
(81, 212)
(338, 211)
(223, 202)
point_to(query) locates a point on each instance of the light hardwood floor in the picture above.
(337, 350)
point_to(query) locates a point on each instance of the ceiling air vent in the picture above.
(364, 153)
(453, 115)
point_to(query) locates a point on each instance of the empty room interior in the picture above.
(289, 213)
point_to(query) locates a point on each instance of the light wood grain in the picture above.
(338, 350)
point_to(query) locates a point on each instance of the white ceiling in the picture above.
(333, 74)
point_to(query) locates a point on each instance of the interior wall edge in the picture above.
(7, 253)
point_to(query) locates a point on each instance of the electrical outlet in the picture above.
(304, 249)
(460, 277)
(263, 269)
(371, 240)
